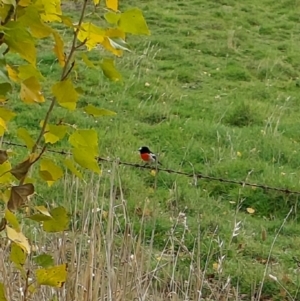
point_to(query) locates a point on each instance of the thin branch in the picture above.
(65, 73)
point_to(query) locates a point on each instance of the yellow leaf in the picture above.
(24, 3)
(19, 196)
(59, 48)
(86, 60)
(2, 292)
(49, 171)
(2, 127)
(31, 18)
(59, 222)
(12, 220)
(85, 159)
(20, 41)
(65, 94)
(109, 70)
(27, 71)
(215, 266)
(6, 114)
(17, 255)
(12, 73)
(5, 176)
(92, 110)
(43, 210)
(70, 165)
(85, 139)
(54, 276)
(96, 2)
(132, 21)
(18, 238)
(55, 133)
(239, 154)
(4, 10)
(23, 134)
(153, 172)
(67, 21)
(31, 91)
(250, 210)
(112, 4)
(51, 10)
(92, 34)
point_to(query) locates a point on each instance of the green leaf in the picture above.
(12, 220)
(23, 134)
(85, 159)
(112, 18)
(85, 139)
(132, 21)
(44, 260)
(2, 292)
(109, 70)
(94, 111)
(49, 171)
(39, 217)
(85, 143)
(70, 165)
(86, 60)
(4, 89)
(17, 255)
(55, 276)
(59, 222)
(65, 94)
(55, 133)
(19, 40)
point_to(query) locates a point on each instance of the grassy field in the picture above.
(214, 89)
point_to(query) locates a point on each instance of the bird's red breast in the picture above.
(146, 157)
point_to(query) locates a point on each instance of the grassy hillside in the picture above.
(214, 89)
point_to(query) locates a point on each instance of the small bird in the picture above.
(147, 155)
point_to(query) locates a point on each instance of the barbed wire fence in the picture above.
(194, 175)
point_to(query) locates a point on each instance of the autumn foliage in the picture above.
(23, 24)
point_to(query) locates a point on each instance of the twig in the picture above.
(65, 73)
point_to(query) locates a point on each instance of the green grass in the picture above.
(222, 98)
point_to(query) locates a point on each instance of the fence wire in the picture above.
(194, 175)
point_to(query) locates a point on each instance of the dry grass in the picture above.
(108, 259)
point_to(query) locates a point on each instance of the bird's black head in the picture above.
(144, 149)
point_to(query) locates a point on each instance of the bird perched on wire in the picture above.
(147, 156)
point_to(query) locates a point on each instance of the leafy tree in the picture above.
(23, 24)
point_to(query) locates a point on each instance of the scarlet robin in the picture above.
(147, 155)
